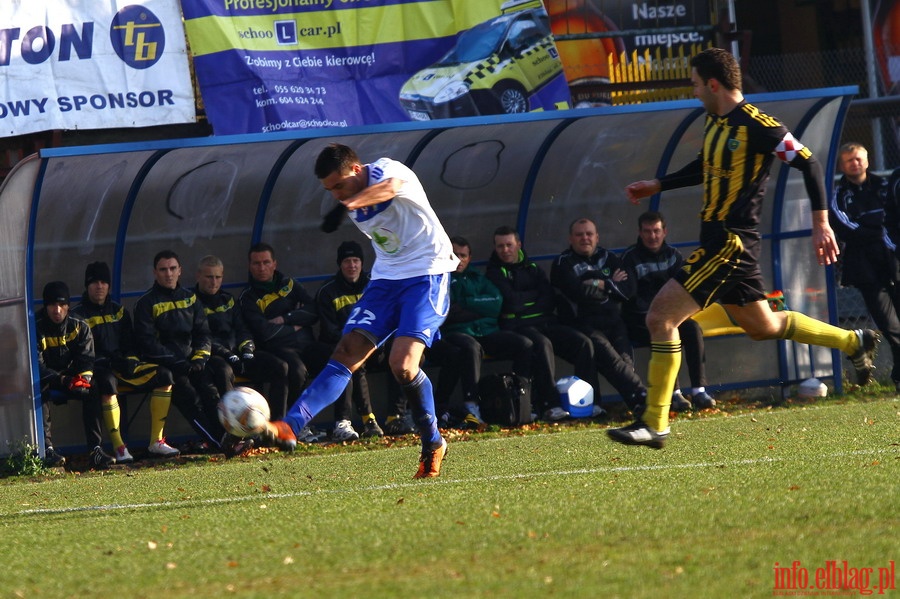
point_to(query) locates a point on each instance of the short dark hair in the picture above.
(579, 220)
(506, 230)
(165, 255)
(718, 64)
(460, 241)
(258, 248)
(335, 157)
(651, 216)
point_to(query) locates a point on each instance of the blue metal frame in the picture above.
(125, 220)
(29, 307)
(434, 128)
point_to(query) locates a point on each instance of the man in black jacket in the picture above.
(65, 349)
(528, 308)
(280, 314)
(334, 303)
(116, 360)
(233, 349)
(170, 329)
(868, 260)
(593, 286)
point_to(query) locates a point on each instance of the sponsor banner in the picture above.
(273, 65)
(652, 25)
(69, 64)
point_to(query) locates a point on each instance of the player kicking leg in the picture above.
(673, 305)
(410, 309)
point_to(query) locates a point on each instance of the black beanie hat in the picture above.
(96, 271)
(349, 249)
(56, 292)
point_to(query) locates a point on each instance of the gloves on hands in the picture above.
(235, 362)
(77, 385)
(333, 219)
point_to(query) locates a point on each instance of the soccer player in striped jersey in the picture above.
(740, 143)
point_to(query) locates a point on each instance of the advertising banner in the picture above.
(658, 27)
(273, 65)
(70, 64)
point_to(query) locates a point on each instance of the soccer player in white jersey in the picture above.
(407, 297)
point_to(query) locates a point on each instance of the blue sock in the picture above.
(420, 397)
(321, 393)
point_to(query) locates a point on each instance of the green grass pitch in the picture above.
(559, 512)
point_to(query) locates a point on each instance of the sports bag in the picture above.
(505, 399)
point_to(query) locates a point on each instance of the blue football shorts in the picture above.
(414, 307)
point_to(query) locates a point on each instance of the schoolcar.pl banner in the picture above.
(71, 64)
(272, 65)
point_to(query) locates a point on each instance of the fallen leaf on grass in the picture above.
(288, 561)
(151, 545)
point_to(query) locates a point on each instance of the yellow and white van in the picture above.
(508, 64)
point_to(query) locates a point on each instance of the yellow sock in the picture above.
(665, 360)
(159, 409)
(111, 417)
(803, 329)
(370, 417)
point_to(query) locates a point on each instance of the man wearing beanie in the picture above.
(65, 363)
(335, 300)
(117, 361)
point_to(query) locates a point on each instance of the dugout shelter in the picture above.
(67, 207)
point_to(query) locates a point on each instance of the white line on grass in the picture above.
(496, 477)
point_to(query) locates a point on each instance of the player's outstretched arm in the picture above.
(642, 189)
(374, 194)
(824, 242)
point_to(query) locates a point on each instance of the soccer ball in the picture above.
(244, 412)
(576, 396)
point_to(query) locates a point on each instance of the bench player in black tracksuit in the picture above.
(170, 329)
(117, 361)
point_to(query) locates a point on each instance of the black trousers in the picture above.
(883, 303)
(267, 372)
(553, 339)
(195, 396)
(461, 356)
(91, 412)
(303, 361)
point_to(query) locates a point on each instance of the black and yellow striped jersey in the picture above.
(734, 163)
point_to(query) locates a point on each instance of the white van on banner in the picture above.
(70, 64)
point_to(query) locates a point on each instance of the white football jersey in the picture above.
(408, 238)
